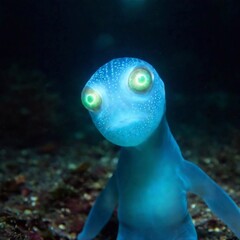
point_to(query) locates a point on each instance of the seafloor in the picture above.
(46, 191)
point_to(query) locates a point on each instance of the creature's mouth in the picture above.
(125, 122)
(126, 129)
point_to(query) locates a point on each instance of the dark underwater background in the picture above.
(53, 162)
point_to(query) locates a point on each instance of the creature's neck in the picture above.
(161, 144)
(160, 138)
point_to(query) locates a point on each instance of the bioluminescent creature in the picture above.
(126, 100)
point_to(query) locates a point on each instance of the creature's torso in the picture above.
(151, 196)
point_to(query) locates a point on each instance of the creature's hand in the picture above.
(101, 211)
(82, 237)
(214, 196)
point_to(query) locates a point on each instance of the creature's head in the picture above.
(126, 100)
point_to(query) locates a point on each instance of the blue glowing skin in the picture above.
(150, 183)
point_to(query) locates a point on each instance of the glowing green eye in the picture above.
(140, 80)
(91, 99)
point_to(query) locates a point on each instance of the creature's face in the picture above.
(126, 100)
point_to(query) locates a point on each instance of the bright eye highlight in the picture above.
(140, 80)
(91, 99)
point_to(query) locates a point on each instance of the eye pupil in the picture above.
(140, 80)
(90, 99)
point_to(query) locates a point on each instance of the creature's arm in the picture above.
(101, 211)
(215, 197)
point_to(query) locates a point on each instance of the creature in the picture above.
(126, 101)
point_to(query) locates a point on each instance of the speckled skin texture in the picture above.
(152, 179)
